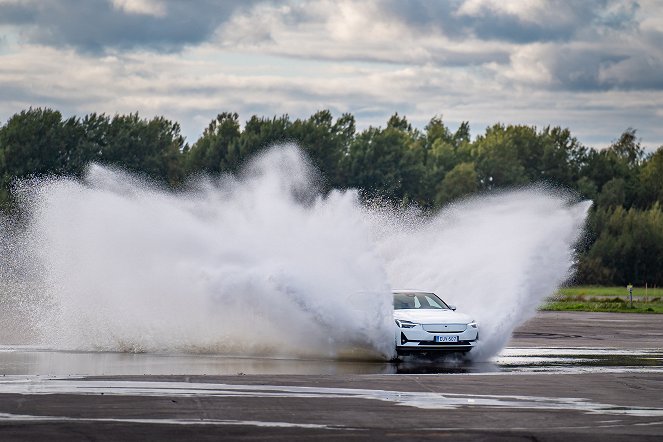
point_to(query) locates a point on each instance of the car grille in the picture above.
(444, 328)
(445, 344)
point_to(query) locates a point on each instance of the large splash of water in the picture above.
(495, 257)
(261, 263)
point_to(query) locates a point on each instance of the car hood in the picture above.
(432, 316)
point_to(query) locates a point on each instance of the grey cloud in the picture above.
(460, 59)
(636, 72)
(582, 54)
(618, 15)
(427, 15)
(598, 69)
(17, 92)
(16, 13)
(511, 29)
(444, 17)
(580, 70)
(95, 25)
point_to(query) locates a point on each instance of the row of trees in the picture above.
(429, 167)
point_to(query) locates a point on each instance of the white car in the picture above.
(426, 324)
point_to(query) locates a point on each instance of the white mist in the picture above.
(495, 257)
(261, 264)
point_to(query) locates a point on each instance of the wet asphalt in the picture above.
(564, 376)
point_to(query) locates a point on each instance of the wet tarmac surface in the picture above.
(32, 361)
(564, 375)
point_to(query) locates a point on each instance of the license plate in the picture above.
(446, 338)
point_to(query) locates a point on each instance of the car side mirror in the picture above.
(452, 307)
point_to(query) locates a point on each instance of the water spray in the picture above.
(262, 264)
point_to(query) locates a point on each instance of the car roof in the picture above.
(395, 292)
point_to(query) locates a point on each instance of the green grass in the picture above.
(606, 299)
(611, 291)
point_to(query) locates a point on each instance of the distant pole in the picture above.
(646, 295)
(630, 293)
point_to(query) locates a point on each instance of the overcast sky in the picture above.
(595, 66)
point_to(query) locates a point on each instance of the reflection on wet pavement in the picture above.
(22, 360)
(580, 360)
(424, 400)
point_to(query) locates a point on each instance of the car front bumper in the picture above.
(418, 340)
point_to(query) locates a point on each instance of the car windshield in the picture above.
(404, 301)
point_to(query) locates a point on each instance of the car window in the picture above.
(432, 302)
(418, 301)
(403, 301)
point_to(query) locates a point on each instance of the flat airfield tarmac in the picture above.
(564, 376)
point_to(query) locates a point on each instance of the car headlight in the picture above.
(405, 324)
(473, 324)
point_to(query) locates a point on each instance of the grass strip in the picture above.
(605, 299)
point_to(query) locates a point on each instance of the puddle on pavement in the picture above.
(579, 360)
(423, 400)
(22, 360)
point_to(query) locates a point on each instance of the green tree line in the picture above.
(429, 167)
